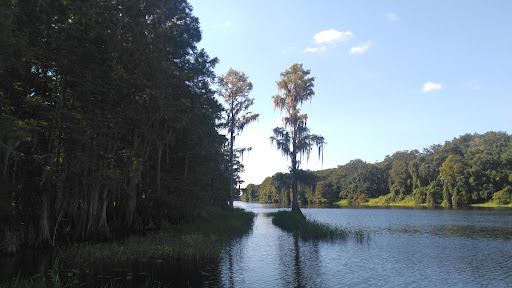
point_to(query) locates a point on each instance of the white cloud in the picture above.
(473, 85)
(332, 36)
(227, 24)
(392, 17)
(315, 49)
(360, 49)
(431, 86)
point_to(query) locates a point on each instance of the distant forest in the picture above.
(471, 169)
(108, 122)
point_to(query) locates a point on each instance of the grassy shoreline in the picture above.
(380, 202)
(194, 243)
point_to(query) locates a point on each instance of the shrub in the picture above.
(503, 197)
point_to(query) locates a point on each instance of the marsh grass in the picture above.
(46, 281)
(197, 242)
(300, 226)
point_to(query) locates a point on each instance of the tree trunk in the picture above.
(232, 139)
(93, 208)
(44, 239)
(103, 230)
(159, 147)
(231, 174)
(295, 195)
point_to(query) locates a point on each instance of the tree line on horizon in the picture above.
(471, 169)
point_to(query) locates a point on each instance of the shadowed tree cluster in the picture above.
(107, 119)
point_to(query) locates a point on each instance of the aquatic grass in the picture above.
(20, 281)
(40, 281)
(306, 229)
(197, 242)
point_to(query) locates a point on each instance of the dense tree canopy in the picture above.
(107, 120)
(474, 168)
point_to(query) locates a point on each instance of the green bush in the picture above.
(503, 197)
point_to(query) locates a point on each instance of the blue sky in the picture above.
(389, 75)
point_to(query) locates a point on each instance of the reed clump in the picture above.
(306, 229)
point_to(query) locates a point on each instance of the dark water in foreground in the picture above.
(407, 248)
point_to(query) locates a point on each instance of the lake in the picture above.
(406, 248)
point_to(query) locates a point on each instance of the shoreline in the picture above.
(195, 243)
(372, 203)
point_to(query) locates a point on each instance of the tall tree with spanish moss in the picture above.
(294, 139)
(235, 88)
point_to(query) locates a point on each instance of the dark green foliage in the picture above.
(503, 197)
(107, 120)
(251, 193)
(277, 189)
(471, 169)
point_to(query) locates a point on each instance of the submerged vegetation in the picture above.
(295, 223)
(470, 170)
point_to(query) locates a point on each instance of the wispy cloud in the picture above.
(392, 17)
(315, 49)
(473, 85)
(431, 86)
(227, 24)
(361, 48)
(332, 36)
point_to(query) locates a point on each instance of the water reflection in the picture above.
(299, 263)
(408, 248)
(29, 262)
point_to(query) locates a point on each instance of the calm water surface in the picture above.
(407, 248)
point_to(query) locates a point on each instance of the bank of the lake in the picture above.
(194, 242)
(409, 202)
(198, 243)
